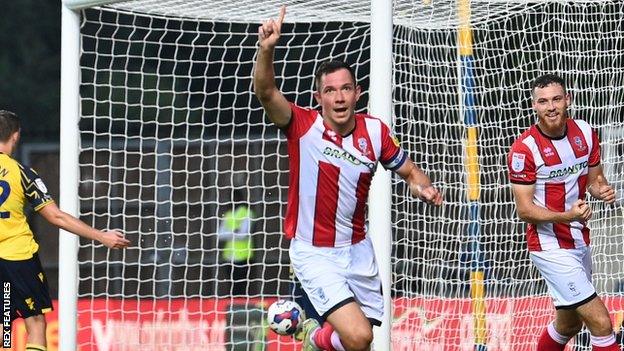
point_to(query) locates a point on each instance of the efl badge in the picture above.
(579, 143)
(517, 162)
(39, 183)
(363, 144)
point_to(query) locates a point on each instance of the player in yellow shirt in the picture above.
(19, 263)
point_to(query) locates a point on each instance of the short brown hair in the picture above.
(9, 124)
(546, 80)
(331, 67)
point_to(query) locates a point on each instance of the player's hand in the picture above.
(606, 193)
(114, 239)
(581, 211)
(428, 194)
(270, 31)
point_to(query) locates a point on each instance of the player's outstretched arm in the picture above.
(419, 183)
(111, 239)
(271, 98)
(598, 186)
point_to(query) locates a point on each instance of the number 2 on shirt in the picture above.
(6, 190)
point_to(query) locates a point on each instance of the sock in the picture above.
(322, 338)
(604, 343)
(554, 334)
(35, 347)
(551, 340)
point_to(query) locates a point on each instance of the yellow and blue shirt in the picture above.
(18, 185)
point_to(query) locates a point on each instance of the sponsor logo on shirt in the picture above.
(568, 170)
(347, 156)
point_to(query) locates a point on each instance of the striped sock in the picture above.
(547, 342)
(35, 347)
(604, 343)
(323, 337)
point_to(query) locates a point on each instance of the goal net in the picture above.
(171, 135)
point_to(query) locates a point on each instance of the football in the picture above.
(285, 317)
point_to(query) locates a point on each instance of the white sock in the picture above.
(335, 340)
(603, 341)
(561, 339)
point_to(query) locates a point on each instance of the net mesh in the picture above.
(171, 133)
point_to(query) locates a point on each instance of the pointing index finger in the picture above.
(281, 15)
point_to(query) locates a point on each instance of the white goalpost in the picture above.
(161, 132)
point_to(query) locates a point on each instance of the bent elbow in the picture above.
(525, 216)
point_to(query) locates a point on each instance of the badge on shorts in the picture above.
(573, 289)
(321, 294)
(517, 162)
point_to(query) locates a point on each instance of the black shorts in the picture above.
(30, 294)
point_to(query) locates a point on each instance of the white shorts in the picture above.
(568, 275)
(335, 276)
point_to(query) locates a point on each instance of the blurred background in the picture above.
(30, 71)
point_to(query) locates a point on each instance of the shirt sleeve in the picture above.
(392, 155)
(35, 189)
(521, 165)
(300, 121)
(594, 154)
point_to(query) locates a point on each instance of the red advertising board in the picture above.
(200, 324)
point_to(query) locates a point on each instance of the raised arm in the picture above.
(419, 183)
(273, 101)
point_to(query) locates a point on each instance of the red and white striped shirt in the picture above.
(330, 176)
(558, 168)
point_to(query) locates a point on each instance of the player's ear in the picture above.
(358, 92)
(568, 98)
(15, 137)
(317, 97)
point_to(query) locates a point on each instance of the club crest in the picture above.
(363, 144)
(579, 143)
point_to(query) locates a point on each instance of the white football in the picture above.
(285, 317)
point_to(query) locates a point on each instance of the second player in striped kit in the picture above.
(333, 153)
